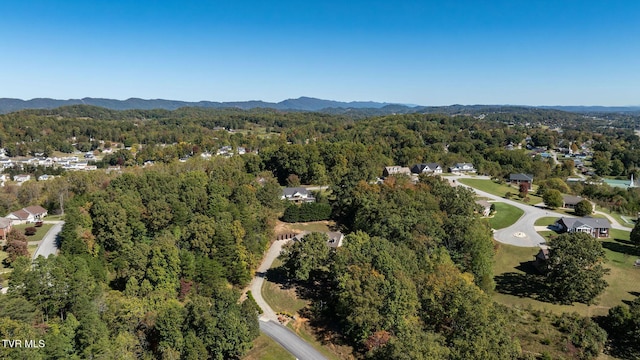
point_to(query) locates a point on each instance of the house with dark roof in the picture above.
(297, 195)
(428, 168)
(596, 227)
(570, 201)
(517, 179)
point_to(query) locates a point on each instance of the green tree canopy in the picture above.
(583, 208)
(575, 271)
(552, 198)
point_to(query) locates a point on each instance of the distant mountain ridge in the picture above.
(8, 105)
(302, 103)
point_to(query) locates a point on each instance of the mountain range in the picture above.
(8, 105)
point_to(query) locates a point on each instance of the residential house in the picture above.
(28, 215)
(21, 178)
(334, 241)
(297, 195)
(485, 206)
(462, 168)
(429, 168)
(570, 201)
(5, 227)
(595, 227)
(20, 217)
(45, 177)
(518, 179)
(396, 170)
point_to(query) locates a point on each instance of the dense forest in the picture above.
(153, 259)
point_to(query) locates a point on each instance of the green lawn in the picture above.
(41, 231)
(616, 216)
(319, 226)
(280, 299)
(505, 215)
(264, 348)
(498, 189)
(516, 279)
(546, 221)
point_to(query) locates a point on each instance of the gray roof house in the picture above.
(595, 227)
(570, 201)
(521, 177)
(297, 195)
(428, 168)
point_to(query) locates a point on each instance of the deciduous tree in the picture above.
(575, 271)
(552, 198)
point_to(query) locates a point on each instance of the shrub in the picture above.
(30, 231)
(307, 212)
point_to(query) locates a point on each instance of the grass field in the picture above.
(519, 286)
(498, 189)
(505, 216)
(616, 216)
(41, 231)
(546, 221)
(266, 349)
(280, 298)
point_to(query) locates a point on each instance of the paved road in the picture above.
(269, 320)
(290, 341)
(258, 280)
(522, 232)
(48, 245)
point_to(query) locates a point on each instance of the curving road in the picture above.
(522, 232)
(269, 323)
(49, 244)
(290, 341)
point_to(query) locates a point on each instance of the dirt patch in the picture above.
(282, 228)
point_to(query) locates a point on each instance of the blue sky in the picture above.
(562, 52)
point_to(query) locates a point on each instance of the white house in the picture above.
(21, 178)
(462, 168)
(297, 195)
(27, 215)
(429, 168)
